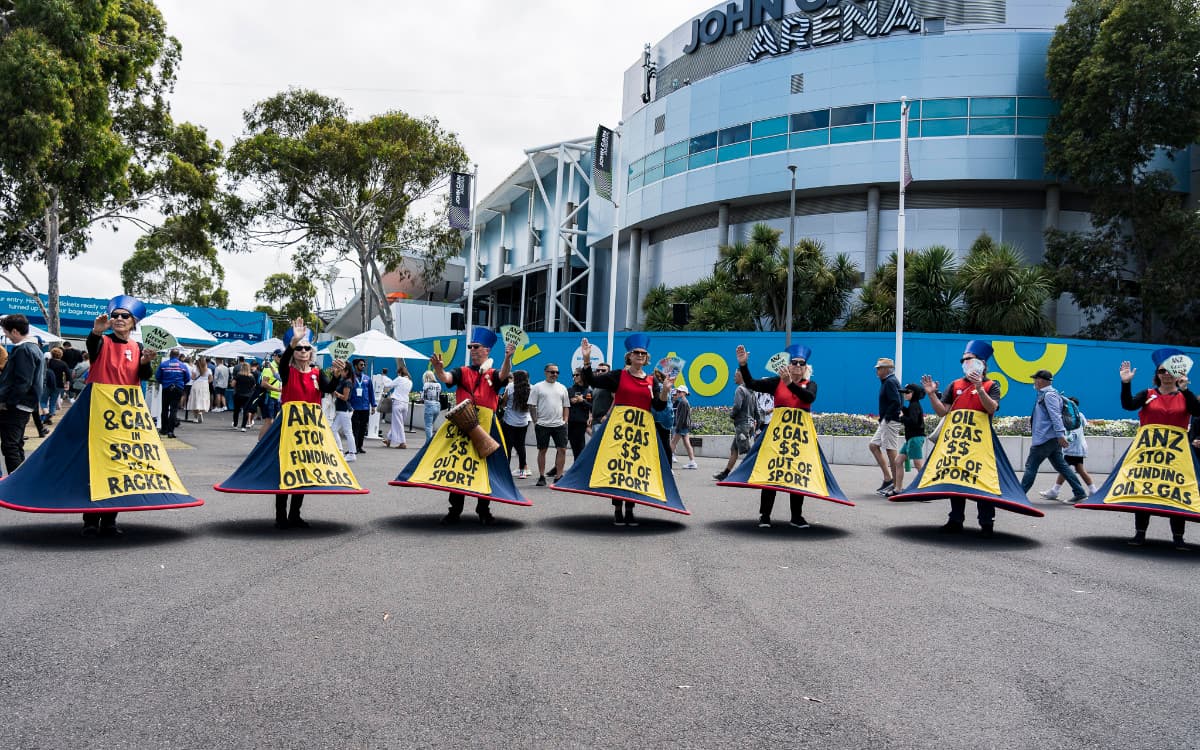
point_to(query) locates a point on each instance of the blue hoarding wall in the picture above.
(843, 364)
(77, 314)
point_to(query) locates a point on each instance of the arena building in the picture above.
(714, 115)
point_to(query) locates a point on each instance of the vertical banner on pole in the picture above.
(602, 163)
(460, 200)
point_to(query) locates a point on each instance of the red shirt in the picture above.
(116, 363)
(961, 395)
(302, 386)
(636, 392)
(1165, 408)
(784, 396)
(476, 385)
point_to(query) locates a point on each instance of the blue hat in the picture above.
(277, 352)
(799, 351)
(1175, 361)
(289, 334)
(486, 337)
(132, 305)
(981, 349)
(637, 341)
(1162, 355)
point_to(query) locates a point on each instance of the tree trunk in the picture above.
(385, 307)
(364, 294)
(53, 244)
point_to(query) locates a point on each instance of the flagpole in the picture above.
(616, 236)
(471, 268)
(905, 178)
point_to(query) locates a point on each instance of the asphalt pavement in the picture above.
(379, 628)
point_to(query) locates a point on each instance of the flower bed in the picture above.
(714, 420)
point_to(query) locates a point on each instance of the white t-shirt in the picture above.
(547, 401)
(221, 377)
(401, 387)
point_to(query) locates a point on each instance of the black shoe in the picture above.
(889, 484)
(89, 531)
(552, 473)
(799, 523)
(764, 522)
(281, 523)
(985, 531)
(450, 519)
(1139, 538)
(296, 522)
(170, 434)
(618, 519)
(487, 519)
(541, 482)
(1179, 545)
(629, 519)
(1078, 499)
(42, 433)
(721, 475)
(951, 527)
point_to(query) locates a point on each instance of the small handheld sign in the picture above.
(779, 362)
(670, 366)
(514, 335)
(159, 339)
(341, 349)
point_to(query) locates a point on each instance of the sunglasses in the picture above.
(799, 362)
(551, 372)
(640, 354)
(966, 359)
(474, 346)
(121, 316)
(304, 348)
(1163, 371)
(602, 369)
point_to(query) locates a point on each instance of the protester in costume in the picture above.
(792, 389)
(319, 468)
(984, 474)
(483, 475)
(1164, 405)
(628, 439)
(106, 455)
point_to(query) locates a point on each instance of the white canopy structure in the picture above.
(378, 344)
(178, 325)
(262, 348)
(46, 337)
(226, 349)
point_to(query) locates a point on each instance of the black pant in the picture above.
(281, 513)
(170, 408)
(12, 436)
(514, 440)
(1141, 521)
(576, 436)
(241, 405)
(766, 504)
(482, 507)
(358, 425)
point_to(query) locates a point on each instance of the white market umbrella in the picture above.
(178, 325)
(262, 348)
(46, 337)
(378, 344)
(226, 350)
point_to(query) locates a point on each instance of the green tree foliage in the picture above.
(1002, 294)
(1128, 77)
(288, 296)
(157, 273)
(932, 297)
(88, 140)
(341, 189)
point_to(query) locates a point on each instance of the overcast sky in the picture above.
(505, 76)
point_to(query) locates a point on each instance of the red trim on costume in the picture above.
(1136, 509)
(1025, 510)
(13, 506)
(786, 490)
(293, 491)
(493, 498)
(623, 499)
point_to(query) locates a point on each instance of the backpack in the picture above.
(1071, 418)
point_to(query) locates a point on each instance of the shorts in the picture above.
(682, 433)
(544, 434)
(914, 448)
(743, 440)
(888, 435)
(1074, 460)
(268, 408)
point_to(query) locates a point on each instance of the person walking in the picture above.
(19, 383)
(199, 397)
(60, 378)
(681, 427)
(244, 386)
(550, 405)
(515, 419)
(1049, 437)
(745, 422)
(270, 386)
(343, 431)
(913, 451)
(581, 412)
(362, 400)
(401, 387)
(431, 398)
(79, 375)
(221, 377)
(885, 444)
(172, 375)
(602, 400)
(1075, 453)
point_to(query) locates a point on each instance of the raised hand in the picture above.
(299, 331)
(742, 355)
(1127, 372)
(101, 324)
(929, 384)
(585, 349)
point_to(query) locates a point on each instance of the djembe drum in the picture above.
(464, 417)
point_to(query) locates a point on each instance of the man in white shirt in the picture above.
(549, 403)
(220, 383)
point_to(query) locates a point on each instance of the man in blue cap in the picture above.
(971, 391)
(172, 375)
(1049, 437)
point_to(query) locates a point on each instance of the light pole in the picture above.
(791, 253)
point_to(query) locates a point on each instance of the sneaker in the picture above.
(618, 519)
(674, 459)
(552, 473)
(1093, 489)
(1076, 499)
(1049, 494)
(764, 522)
(541, 482)
(351, 458)
(243, 429)
(691, 465)
(296, 522)
(799, 523)
(629, 519)
(720, 476)
(951, 527)
(889, 484)
(525, 474)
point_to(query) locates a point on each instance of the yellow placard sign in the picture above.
(965, 454)
(451, 460)
(789, 455)
(125, 454)
(627, 458)
(308, 453)
(1157, 469)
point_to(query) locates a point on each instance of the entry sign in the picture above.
(159, 339)
(125, 454)
(308, 454)
(342, 349)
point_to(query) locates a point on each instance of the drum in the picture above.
(464, 417)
